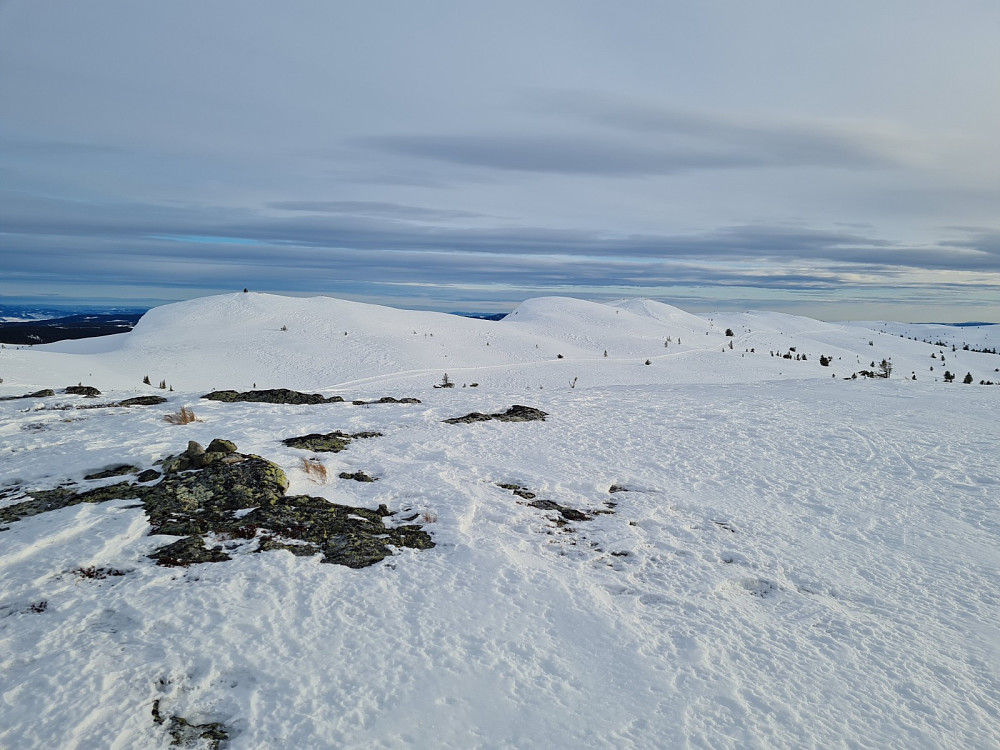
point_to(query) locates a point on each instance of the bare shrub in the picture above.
(184, 416)
(314, 469)
(429, 517)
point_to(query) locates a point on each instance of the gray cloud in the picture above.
(599, 134)
(563, 154)
(229, 232)
(780, 143)
(375, 209)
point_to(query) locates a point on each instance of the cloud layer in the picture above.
(714, 155)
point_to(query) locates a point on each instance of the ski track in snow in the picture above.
(796, 561)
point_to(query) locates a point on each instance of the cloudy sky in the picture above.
(838, 160)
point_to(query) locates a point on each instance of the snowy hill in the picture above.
(237, 340)
(722, 548)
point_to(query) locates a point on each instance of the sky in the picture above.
(836, 160)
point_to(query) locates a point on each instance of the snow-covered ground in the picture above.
(796, 559)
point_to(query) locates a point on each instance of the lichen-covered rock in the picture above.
(82, 390)
(219, 445)
(516, 413)
(330, 442)
(272, 396)
(148, 475)
(113, 471)
(201, 501)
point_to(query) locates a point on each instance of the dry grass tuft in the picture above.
(429, 517)
(184, 416)
(314, 469)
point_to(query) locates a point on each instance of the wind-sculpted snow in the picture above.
(721, 549)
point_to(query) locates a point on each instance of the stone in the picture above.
(221, 446)
(142, 401)
(358, 476)
(516, 413)
(82, 390)
(272, 396)
(113, 471)
(330, 442)
(240, 497)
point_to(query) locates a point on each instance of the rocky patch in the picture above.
(516, 413)
(183, 733)
(517, 490)
(237, 503)
(330, 442)
(358, 476)
(125, 403)
(387, 400)
(141, 401)
(87, 391)
(44, 393)
(272, 396)
(113, 471)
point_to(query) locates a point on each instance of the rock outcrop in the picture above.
(239, 501)
(516, 413)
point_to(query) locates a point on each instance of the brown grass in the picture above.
(184, 416)
(314, 469)
(428, 516)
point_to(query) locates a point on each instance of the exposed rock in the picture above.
(221, 446)
(330, 442)
(358, 476)
(272, 396)
(98, 574)
(188, 551)
(241, 498)
(618, 488)
(141, 401)
(516, 413)
(37, 394)
(82, 390)
(196, 457)
(183, 732)
(570, 514)
(148, 475)
(517, 490)
(113, 471)
(387, 400)
(43, 501)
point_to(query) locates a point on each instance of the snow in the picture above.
(797, 561)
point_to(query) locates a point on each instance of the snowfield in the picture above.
(790, 559)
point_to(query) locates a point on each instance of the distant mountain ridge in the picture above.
(20, 326)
